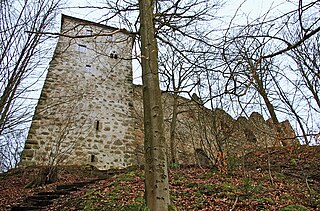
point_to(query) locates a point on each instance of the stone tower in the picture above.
(84, 114)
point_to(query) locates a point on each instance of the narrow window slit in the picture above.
(97, 125)
(92, 158)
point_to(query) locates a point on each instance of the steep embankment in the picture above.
(273, 179)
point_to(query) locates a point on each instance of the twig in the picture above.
(234, 204)
(308, 187)
(269, 165)
(75, 36)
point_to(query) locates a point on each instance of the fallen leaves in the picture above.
(244, 188)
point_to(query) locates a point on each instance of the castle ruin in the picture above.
(89, 111)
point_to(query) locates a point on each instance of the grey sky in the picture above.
(254, 8)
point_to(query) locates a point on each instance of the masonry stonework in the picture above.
(209, 131)
(89, 111)
(84, 112)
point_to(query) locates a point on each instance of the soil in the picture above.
(273, 179)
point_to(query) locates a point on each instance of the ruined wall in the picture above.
(89, 111)
(211, 131)
(187, 133)
(84, 112)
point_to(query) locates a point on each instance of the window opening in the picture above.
(82, 48)
(113, 55)
(110, 38)
(97, 125)
(89, 32)
(88, 68)
(92, 159)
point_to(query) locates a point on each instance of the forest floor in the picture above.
(289, 181)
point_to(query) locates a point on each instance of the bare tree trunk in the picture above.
(156, 173)
(173, 125)
(262, 91)
(270, 108)
(266, 100)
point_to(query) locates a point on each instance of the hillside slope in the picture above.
(273, 179)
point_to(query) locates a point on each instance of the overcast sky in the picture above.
(254, 8)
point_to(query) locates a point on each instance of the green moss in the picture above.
(174, 166)
(279, 176)
(229, 187)
(208, 189)
(250, 188)
(133, 207)
(233, 163)
(97, 200)
(265, 200)
(289, 198)
(295, 207)
(293, 162)
(191, 184)
(127, 177)
(179, 179)
(206, 175)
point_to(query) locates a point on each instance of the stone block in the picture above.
(32, 141)
(118, 142)
(28, 146)
(27, 153)
(45, 133)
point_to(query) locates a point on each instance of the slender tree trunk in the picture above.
(270, 107)
(266, 100)
(173, 125)
(156, 173)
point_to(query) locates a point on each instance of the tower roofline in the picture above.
(63, 17)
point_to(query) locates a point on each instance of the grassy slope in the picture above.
(293, 179)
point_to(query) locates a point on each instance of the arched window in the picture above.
(113, 54)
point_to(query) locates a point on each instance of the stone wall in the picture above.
(84, 112)
(89, 111)
(209, 130)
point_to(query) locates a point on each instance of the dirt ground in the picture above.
(273, 179)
